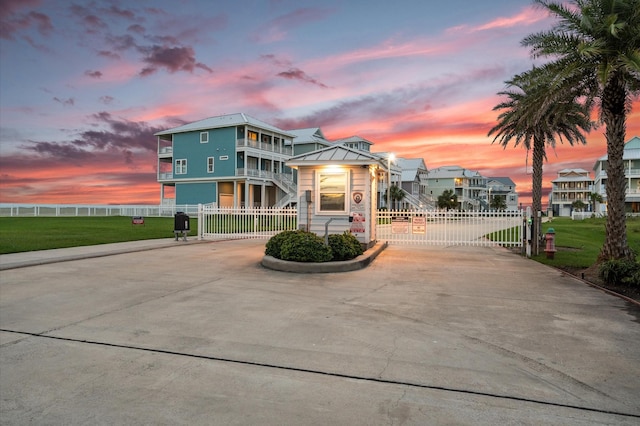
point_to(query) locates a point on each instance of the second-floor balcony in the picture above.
(165, 151)
(263, 146)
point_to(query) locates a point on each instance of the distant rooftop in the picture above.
(237, 119)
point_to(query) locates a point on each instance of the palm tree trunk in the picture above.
(536, 187)
(614, 116)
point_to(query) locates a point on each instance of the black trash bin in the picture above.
(181, 225)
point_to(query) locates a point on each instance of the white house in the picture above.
(570, 186)
(631, 158)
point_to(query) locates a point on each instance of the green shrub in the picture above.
(274, 245)
(620, 272)
(302, 246)
(344, 246)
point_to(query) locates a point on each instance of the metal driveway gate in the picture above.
(223, 223)
(439, 227)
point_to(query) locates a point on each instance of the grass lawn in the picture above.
(579, 241)
(19, 234)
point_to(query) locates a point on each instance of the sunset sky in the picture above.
(84, 85)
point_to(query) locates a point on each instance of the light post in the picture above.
(390, 158)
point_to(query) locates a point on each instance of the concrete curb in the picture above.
(46, 257)
(359, 262)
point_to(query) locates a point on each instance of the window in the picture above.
(332, 188)
(181, 167)
(204, 137)
(210, 163)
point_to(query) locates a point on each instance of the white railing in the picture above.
(264, 146)
(437, 227)
(53, 210)
(223, 223)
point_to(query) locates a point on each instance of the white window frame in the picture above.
(204, 137)
(211, 164)
(181, 166)
(344, 174)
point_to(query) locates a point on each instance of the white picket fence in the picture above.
(436, 227)
(53, 210)
(223, 223)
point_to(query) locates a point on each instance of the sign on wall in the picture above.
(357, 224)
(357, 201)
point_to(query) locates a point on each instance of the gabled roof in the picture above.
(354, 138)
(410, 168)
(573, 171)
(503, 180)
(451, 172)
(221, 121)
(309, 135)
(337, 154)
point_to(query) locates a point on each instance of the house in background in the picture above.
(502, 187)
(232, 160)
(307, 140)
(414, 182)
(355, 142)
(235, 160)
(570, 186)
(469, 186)
(631, 159)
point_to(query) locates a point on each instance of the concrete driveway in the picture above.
(202, 334)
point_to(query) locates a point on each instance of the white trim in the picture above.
(345, 192)
(204, 139)
(183, 168)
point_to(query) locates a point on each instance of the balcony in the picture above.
(165, 151)
(264, 146)
(165, 176)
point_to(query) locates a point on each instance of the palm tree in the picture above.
(599, 41)
(498, 202)
(594, 198)
(536, 113)
(578, 205)
(447, 200)
(397, 194)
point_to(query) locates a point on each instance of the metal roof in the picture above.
(410, 168)
(451, 172)
(631, 151)
(354, 138)
(339, 154)
(309, 135)
(503, 180)
(229, 120)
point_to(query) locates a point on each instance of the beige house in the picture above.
(570, 186)
(337, 189)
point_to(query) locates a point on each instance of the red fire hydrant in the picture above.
(550, 238)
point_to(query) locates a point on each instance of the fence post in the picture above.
(200, 221)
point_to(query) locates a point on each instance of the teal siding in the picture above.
(196, 193)
(222, 142)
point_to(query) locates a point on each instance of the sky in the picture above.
(84, 85)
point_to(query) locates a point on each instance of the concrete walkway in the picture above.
(200, 333)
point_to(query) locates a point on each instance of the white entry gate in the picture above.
(439, 227)
(427, 227)
(224, 223)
